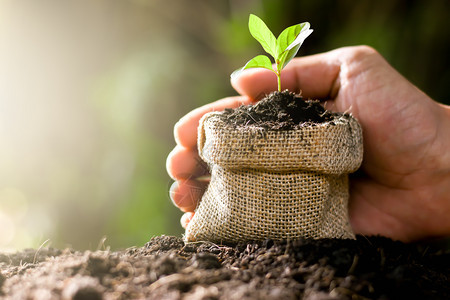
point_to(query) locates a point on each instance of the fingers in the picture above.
(186, 218)
(186, 194)
(185, 130)
(315, 75)
(184, 163)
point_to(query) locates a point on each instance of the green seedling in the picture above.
(282, 49)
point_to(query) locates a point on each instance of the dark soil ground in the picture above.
(167, 268)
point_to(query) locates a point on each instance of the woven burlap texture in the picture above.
(277, 184)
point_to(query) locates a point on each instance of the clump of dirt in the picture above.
(278, 111)
(167, 268)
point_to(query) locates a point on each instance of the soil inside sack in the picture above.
(279, 111)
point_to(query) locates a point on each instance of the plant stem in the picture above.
(279, 81)
(277, 72)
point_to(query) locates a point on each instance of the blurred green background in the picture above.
(90, 91)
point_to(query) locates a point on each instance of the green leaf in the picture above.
(304, 33)
(290, 41)
(260, 31)
(260, 61)
(288, 56)
(287, 37)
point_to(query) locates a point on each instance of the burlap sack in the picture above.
(276, 184)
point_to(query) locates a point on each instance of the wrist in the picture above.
(440, 189)
(443, 135)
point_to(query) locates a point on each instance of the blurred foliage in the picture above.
(140, 65)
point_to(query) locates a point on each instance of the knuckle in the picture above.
(363, 53)
(357, 53)
(364, 50)
(358, 59)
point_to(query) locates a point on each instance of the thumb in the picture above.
(255, 83)
(314, 76)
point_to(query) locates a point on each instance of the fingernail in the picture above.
(173, 189)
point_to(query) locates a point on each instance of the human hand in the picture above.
(404, 190)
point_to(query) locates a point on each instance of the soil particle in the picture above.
(79, 288)
(278, 111)
(205, 260)
(167, 268)
(163, 243)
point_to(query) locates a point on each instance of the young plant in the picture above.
(282, 49)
